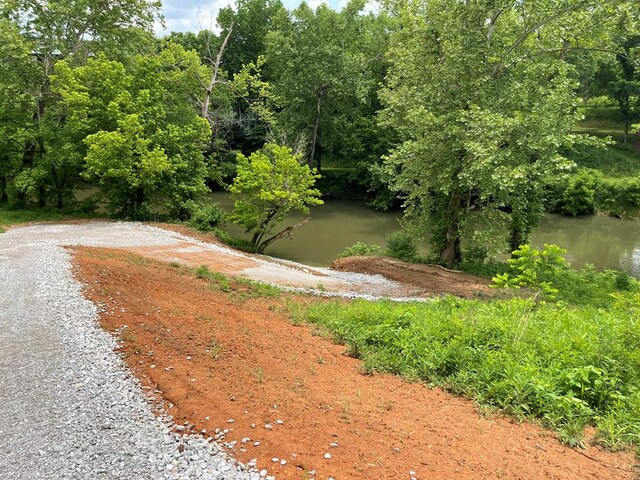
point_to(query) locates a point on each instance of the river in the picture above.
(602, 241)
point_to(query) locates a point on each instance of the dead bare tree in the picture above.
(214, 80)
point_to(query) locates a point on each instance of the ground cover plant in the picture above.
(10, 216)
(568, 363)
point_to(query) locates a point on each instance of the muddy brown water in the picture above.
(602, 241)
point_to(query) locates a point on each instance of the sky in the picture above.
(195, 15)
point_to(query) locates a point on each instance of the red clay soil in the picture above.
(430, 279)
(216, 357)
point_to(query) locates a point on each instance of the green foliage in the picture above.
(360, 249)
(146, 153)
(617, 160)
(477, 126)
(269, 184)
(588, 192)
(40, 153)
(572, 367)
(325, 66)
(488, 269)
(619, 197)
(579, 196)
(535, 269)
(12, 216)
(241, 288)
(402, 245)
(207, 217)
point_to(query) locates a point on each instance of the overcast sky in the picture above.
(194, 15)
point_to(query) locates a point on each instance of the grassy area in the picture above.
(618, 160)
(566, 365)
(10, 217)
(613, 161)
(242, 288)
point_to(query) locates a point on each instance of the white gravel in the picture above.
(69, 409)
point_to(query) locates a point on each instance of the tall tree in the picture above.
(483, 97)
(72, 30)
(250, 21)
(320, 66)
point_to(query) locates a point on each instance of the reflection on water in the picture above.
(605, 242)
(333, 227)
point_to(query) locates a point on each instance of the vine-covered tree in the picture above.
(483, 98)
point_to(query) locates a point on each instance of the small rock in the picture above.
(231, 420)
(327, 455)
(268, 426)
(275, 459)
(279, 422)
(283, 462)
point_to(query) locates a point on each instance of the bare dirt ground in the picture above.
(429, 279)
(214, 357)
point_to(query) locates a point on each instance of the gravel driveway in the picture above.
(68, 406)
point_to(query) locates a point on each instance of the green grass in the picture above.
(566, 366)
(241, 288)
(10, 216)
(617, 160)
(613, 161)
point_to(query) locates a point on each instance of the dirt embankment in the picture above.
(428, 279)
(215, 357)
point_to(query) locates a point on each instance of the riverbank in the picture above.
(248, 370)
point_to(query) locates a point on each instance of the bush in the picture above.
(579, 196)
(207, 217)
(402, 245)
(619, 197)
(360, 250)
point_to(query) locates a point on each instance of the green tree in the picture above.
(323, 69)
(483, 98)
(251, 21)
(135, 131)
(50, 31)
(271, 183)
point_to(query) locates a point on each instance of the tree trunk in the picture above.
(287, 232)
(451, 254)
(208, 89)
(516, 237)
(314, 136)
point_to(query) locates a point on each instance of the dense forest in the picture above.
(468, 114)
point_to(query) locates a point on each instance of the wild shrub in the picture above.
(579, 196)
(402, 245)
(207, 217)
(360, 249)
(535, 269)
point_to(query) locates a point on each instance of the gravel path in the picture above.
(68, 406)
(69, 409)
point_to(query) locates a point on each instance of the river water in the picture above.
(602, 241)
